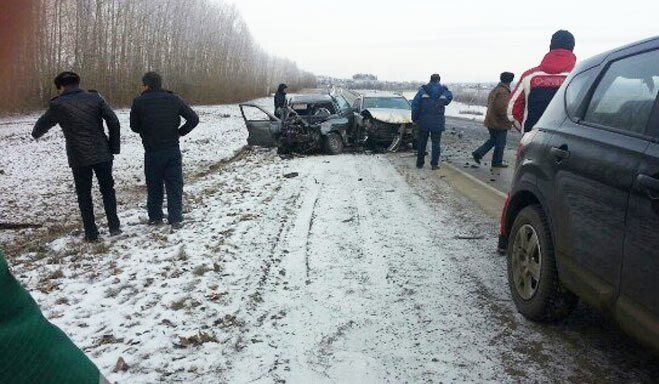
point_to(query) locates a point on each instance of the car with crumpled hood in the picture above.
(310, 123)
(384, 119)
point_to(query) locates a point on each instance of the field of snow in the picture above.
(457, 109)
(324, 269)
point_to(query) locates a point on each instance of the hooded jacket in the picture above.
(537, 87)
(80, 114)
(429, 105)
(280, 97)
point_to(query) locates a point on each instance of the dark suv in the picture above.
(582, 217)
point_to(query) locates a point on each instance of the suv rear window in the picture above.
(625, 96)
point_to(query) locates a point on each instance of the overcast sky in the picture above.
(463, 40)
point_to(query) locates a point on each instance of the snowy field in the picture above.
(459, 110)
(359, 269)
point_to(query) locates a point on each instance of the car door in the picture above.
(263, 128)
(596, 158)
(638, 305)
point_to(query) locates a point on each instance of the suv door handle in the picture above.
(651, 184)
(560, 153)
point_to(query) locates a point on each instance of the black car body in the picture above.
(582, 217)
(313, 122)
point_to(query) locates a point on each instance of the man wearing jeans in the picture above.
(497, 123)
(80, 114)
(156, 116)
(428, 112)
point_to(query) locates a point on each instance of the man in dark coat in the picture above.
(496, 121)
(89, 150)
(428, 113)
(280, 99)
(156, 116)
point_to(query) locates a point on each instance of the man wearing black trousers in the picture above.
(156, 116)
(80, 114)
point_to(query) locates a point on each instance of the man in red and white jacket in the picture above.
(538, 85)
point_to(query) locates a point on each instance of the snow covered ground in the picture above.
(353, 269)
(457, 109)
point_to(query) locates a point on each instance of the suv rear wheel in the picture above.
(532, 274)
(333, 143)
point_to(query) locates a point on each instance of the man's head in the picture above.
(66, 80)
(435, 78)
(282, 88)
(507, 77)
(151, 80)
(562, 40)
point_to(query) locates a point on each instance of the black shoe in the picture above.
(435, 167)
(155, 222)
(419, 166)
(502, 165)
(476, 158)
(177, 225)
(115, 232)
(92, 239)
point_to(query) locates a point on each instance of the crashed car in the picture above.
(310, 123)
(383, 119)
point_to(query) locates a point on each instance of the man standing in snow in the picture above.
(156, 116)
(496, 121)
(89, 150)
(428, 113)
(280, 99)
(538, 85)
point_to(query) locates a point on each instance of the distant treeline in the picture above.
(202, 48)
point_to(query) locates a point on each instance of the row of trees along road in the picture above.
(202, 48)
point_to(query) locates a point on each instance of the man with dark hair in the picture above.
(280, 99)
(428, 113)
(156, 116)
(80, 114)
(538, 85)
(496, 121)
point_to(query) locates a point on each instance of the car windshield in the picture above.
(386, 102)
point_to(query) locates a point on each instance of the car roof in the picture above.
(598, 59)
(311, 98)
(381, 94)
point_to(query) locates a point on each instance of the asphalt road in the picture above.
(462, 137)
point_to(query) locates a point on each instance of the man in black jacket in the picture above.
(156, 116)
(280, 99)
(89, 150)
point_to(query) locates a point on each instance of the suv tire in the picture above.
(532, 275)
(333, 143)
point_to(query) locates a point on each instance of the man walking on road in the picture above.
(496, 121)
(428, 113)
(538, 85)
(89, 150)
(156, 116)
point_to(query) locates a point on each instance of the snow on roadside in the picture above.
(458, 109)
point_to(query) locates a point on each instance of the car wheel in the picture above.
(333, 143)
(532, 276)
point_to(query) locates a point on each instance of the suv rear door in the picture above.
(263, 128)
(596, 157)
(638, 305)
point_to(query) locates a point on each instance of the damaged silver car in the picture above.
(383, 119)
(310, 123)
